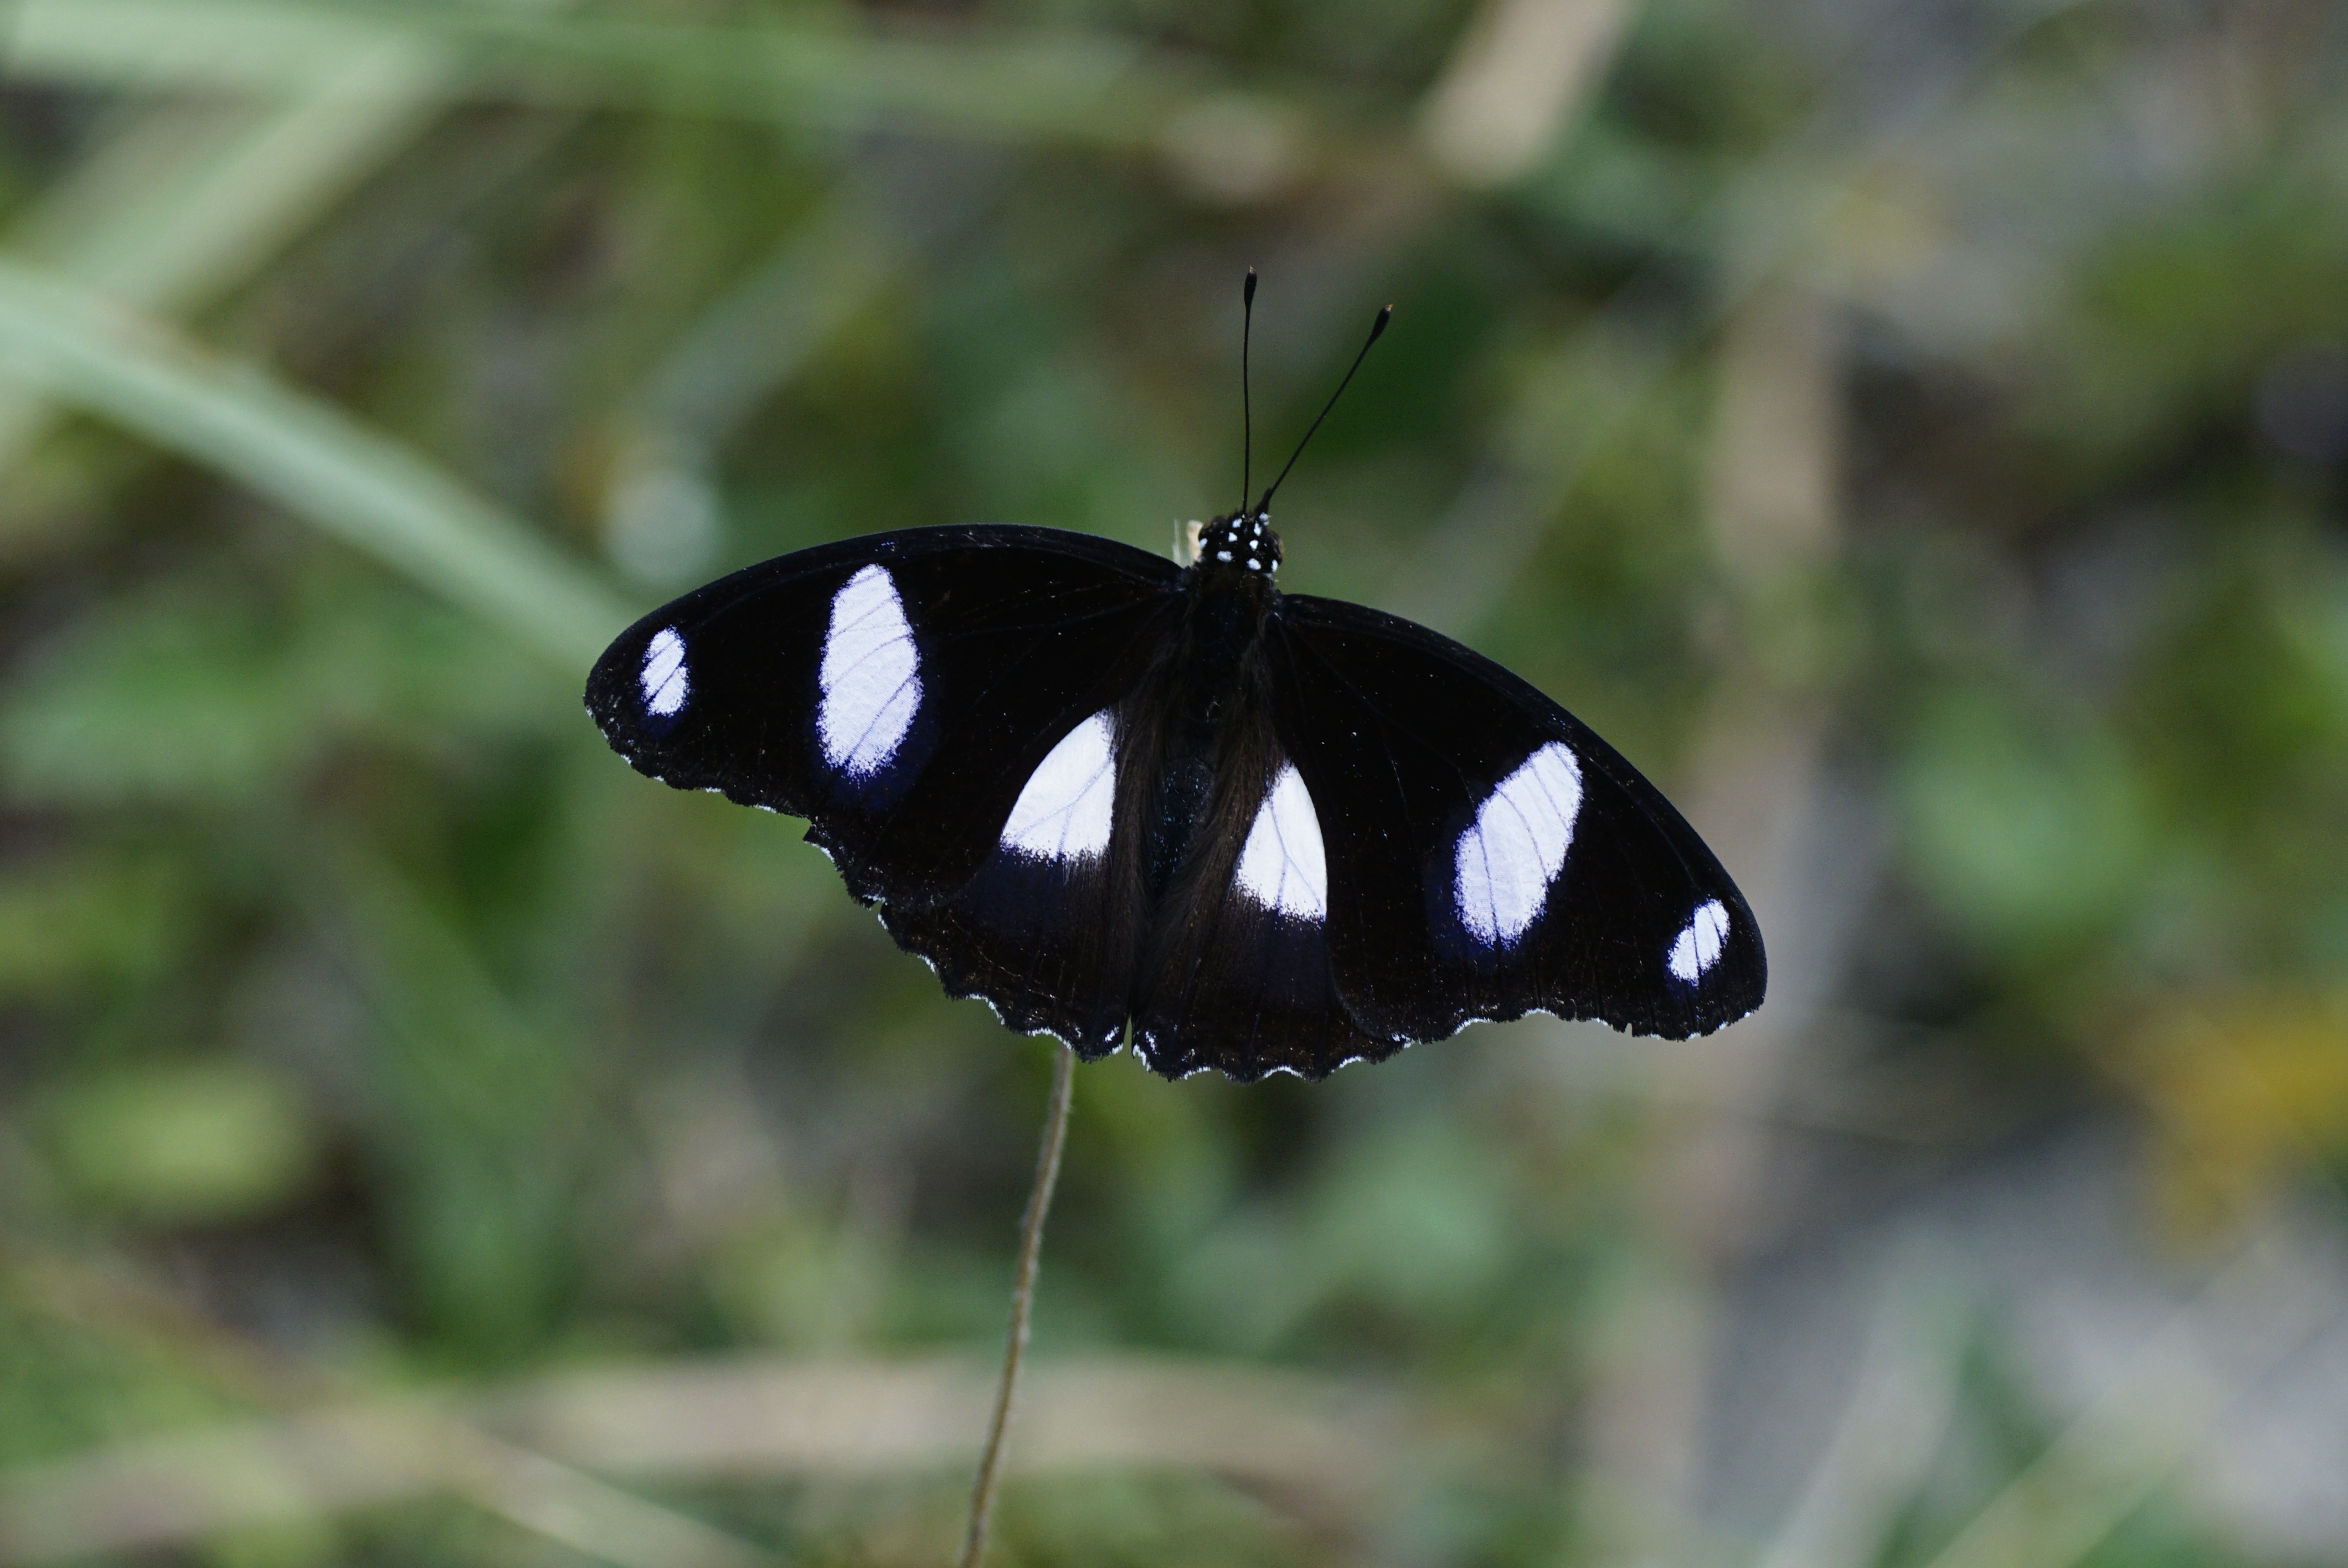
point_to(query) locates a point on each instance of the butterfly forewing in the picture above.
(1489, 856)
(899, 691)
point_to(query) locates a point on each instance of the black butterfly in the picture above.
(1089, 786)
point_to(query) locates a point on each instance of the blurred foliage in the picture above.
(2247, 1088)
(369, 363)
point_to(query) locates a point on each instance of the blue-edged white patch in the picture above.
(1699, 946)
(1064, 811)
(870, 675)
(1283, 866)
(1507, 858)
(663, 679)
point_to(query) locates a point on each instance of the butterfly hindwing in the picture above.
(1046, 928)
(1237, 975)
(898, 690)
(1490, 857)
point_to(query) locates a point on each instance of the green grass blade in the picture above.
(362, 488)
(188, 199)
(996, 83)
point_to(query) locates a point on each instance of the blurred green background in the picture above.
(1913, 431)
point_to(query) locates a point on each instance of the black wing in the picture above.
(1236, 974)
(899, 692)
(1047, 930)
(1487, 855)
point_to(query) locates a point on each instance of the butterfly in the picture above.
(1111, 793)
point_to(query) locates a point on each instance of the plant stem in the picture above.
(1023, 1298)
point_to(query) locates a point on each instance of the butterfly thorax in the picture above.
(1204, 687)
(1237, 543)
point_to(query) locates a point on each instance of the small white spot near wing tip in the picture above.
(662, 677)
(1700, 944)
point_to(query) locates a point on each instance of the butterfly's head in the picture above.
(1241, 542)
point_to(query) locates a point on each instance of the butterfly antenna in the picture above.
(1247, 414)
(1376, 328)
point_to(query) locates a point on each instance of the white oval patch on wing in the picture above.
(1066, 809)
(1514, 849)
(663, 679)
(870, 675)
(1281, 866)
(1699, 945)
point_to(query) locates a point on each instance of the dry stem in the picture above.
(1023, 1298)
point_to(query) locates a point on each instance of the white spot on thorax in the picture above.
(1282, 866)
(1066, 809)
(1516, 847)
(1699, 945)
(870, 675)
(663, 679)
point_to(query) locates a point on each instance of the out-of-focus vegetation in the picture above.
(1916, 434)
